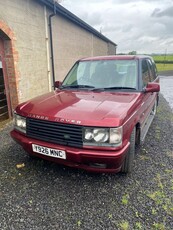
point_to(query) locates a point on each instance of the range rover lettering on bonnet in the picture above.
(67, 121)
(62, 120)
(38, 116)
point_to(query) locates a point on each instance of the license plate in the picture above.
(49, 151)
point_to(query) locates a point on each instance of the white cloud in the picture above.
(141, 25)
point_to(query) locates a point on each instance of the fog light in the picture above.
(98, 165)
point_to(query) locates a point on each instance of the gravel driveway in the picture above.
(45, 196)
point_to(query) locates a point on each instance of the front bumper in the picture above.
(87, 159)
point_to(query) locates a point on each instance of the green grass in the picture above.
(163, 66)
(163, 58)
(124, 225)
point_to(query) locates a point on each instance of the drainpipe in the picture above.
(47, 50)
(51, 44)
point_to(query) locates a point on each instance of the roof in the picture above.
(115, 57)
(70, 16)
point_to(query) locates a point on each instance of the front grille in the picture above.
(63, 134)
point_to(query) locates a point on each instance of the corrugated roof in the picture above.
(72, 17)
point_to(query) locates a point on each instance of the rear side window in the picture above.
(152, 70)
(145, 73)
(149, 71)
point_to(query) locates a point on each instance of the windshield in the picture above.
(110, 74)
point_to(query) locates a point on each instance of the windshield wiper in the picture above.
(114, 87)
(120, 87)
(76, 87)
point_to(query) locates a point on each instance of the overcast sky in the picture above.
(145, 26)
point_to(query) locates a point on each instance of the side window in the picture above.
(145, 73)
(155, 70)
(152, 70)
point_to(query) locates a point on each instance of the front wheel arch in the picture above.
(129, 159)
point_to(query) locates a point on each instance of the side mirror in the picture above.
(152, 87)
(57, 84)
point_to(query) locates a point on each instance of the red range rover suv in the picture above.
(95, 117)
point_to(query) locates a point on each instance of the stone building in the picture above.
(39, 42)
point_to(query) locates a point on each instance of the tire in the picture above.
(128, 162)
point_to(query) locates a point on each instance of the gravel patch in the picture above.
(42, 195)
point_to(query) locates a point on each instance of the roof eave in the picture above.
(72, 17)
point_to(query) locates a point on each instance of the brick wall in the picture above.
(11, 74)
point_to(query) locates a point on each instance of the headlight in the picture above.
(20, 123)
(89, 134)
(100, 135)
(103, 136)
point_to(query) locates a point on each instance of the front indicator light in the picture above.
(116, 135)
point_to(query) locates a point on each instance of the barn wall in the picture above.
(71, 43)
(27, 21)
